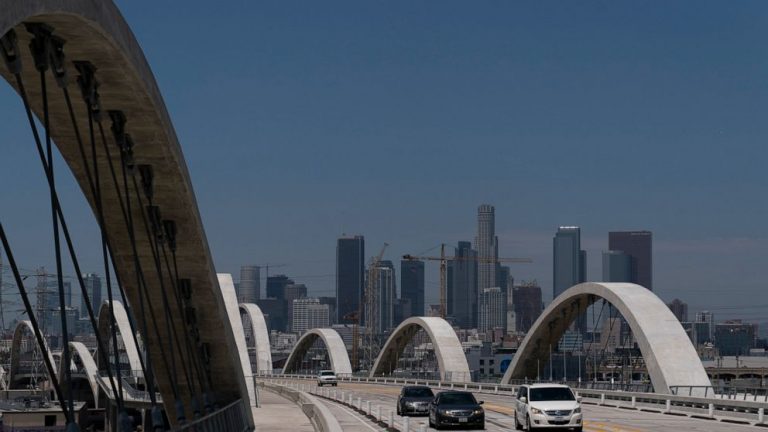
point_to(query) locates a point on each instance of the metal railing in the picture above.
(231, 418)
(755, 394)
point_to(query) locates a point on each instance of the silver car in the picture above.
(327, 377)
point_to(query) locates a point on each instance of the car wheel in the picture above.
(518, 426)
(398, 409)
(579, 429)
(482, 426)
(528, 427)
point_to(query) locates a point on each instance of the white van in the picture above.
(544, 406)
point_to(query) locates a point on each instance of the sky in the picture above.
(304, 120)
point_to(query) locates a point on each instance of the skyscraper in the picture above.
(309, 313)
(680, 309)
(276, 286)
(638, 245)
(93, 288)
(527, 300)
(250, 284)
(487, 246)
(461, 287)
(617, 266)
(350, 276)
(570, 261)
(385, 291)
(412, 285)
(492, 312)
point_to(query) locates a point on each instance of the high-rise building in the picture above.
(487, 246)
(250, 284)
(276, 286)
(492, 311)
(331, 302)
(292, 292)
(412, 286)
(680, 309)
(461, 287)
(569, 260)
(734, 338)
(638, 245)
(527, 301)
(385, 291)
(704, 327)
(309, 313)
(617, 266)
(350, 276)
(93, 288)
(274, 311)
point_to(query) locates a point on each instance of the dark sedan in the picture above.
(414, 400)
(456, 408)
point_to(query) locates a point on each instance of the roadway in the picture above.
(500, 411)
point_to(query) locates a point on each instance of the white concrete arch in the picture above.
(123, 331)
(236, 323)
(668, 353)
(18, 333)
(79, 350)
(337, 351)
(450, 355)
(95, 31)
(260, 335)
(3, 382)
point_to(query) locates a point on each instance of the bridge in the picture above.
(175, 350)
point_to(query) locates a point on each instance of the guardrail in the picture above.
(319, 415)
(230, 418)
(711, 407)
(755, 394)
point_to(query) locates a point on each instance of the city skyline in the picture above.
(452, 96)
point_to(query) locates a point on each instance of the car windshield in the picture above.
(326, 373)
(457, 399)
(418, 392)
(551, 394)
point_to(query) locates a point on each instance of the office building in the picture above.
(309, 313)
(350, 277)
(617, 266)
(734, 338)
(93, 288)
(292, 292)
(276, 286)
(274, 311)
(492, 311)
(331, 302)
(638, 245)
(385, 290)
(528, 305)
(487, 247)
(680, 309)
(461, 287)
(704, 326)
(569, 263)
(412, 286)
(250, 284)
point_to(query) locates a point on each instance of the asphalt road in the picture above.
(500, 411)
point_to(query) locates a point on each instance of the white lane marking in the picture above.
(353, 414)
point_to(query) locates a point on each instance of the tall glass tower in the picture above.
(350, 276)
(487, 246)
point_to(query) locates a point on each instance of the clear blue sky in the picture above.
(394, 119)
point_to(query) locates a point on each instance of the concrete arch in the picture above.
(260, 335)
(668, 353)
(450, 355)
(233, 315)
(95, 31)
(91, 371)
(124, 333)
(17, 371)
(337, 351)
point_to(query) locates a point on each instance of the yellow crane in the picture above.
(444, 264)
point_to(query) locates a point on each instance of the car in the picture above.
(456, 408)
(545, 406)
(327, 377)
(414, 400)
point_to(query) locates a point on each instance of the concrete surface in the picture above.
(279, 414)
(337, 351)
(450, 355)
(668, 353)
(260, 335)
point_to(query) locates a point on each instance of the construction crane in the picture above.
(444, 265)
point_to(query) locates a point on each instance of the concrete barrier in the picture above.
(319, 415)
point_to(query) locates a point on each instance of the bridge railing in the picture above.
(231, 418)
(755, 394)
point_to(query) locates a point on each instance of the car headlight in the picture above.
(536, 411)
(478, 411)
(577, 410)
